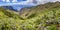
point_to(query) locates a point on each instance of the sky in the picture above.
(20, 3)
(24, 2)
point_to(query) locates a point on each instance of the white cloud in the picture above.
(7, 0)
(45, 1)
(14, 1)
(30, 2)
(39, 1)
(3, 0)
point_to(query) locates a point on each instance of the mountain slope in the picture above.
(42, 7)
(41, 17)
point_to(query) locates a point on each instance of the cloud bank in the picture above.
(27, 2)
(23, 3)
(33, 3)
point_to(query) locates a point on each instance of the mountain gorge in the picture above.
(41, 17)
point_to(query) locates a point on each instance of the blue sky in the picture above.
(21, 3)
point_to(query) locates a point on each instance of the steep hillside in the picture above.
(41, 17)
(26, 12)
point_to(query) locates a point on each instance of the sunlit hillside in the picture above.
(41, 17)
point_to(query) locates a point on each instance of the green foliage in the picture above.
(42, 19)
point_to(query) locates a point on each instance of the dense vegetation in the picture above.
(41, 17)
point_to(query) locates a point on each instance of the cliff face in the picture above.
(41, 17)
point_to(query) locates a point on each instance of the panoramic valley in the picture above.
(42, 17)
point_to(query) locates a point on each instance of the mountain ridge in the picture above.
(34, 18)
